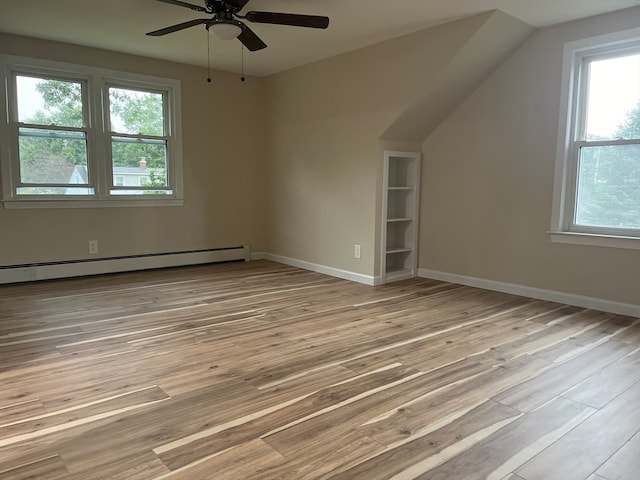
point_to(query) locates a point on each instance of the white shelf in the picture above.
(391, 250)
(401, 179)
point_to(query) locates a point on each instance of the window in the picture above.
(597, 191)
(74, 136)
(138, 138)
(52, 136)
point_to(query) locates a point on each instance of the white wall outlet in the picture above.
(93, 246)
(357, 251)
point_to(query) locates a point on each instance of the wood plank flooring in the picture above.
(263, 371)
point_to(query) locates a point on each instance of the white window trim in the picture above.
(98, 146)
(565, 171)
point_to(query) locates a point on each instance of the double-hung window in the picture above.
(79, 136)
(50, 142)
(597, 190)
(138, 140)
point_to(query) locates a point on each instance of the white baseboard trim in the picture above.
(532, 292)
(314, 267)
(80, 268)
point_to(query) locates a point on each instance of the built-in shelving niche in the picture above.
(401, 180)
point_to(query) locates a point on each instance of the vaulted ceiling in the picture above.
(121, 25)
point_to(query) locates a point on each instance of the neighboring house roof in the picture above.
(53, 170)
(79, 173)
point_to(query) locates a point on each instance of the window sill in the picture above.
(594, 240)
(147, 202)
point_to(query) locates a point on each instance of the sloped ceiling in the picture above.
(487, 48)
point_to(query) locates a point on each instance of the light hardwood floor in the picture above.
(263, 371)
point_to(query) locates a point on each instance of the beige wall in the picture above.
(224, 168)
(488, 180)
(325, 123)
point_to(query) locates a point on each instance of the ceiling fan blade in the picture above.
(250, 40)
(179, 26)
(311, 21)
(237, 5)
(197, 8)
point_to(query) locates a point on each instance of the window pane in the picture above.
(613, 103)
(52, 156)
(609, 187)
(135, 112)
(49, 102)
(139, 163)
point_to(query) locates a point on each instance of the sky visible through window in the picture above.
(614, 90)
(30, 100)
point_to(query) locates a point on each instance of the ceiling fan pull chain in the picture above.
(242, 79)
(208, 56)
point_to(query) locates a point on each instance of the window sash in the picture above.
(571, 205)
(149, 190)
(600, 175)
(167, 126)
(581, 86)
(48, 76)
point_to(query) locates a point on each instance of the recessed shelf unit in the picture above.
(400, 190)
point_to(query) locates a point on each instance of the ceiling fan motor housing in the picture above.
(225, 14)
(220, 6)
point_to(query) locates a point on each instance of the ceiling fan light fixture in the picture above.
(226, 31)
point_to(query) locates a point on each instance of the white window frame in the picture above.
(99, 162)
(571, 121)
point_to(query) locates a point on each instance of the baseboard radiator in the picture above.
(79, 268)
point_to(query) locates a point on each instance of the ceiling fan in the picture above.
(225, 23)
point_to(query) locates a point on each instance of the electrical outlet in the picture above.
(357, 251)
(93, 247)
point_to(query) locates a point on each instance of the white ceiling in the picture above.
(121, 25)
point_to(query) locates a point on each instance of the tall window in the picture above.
(138, 138)
(52, 136)
(598, 174)
(70, 134)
